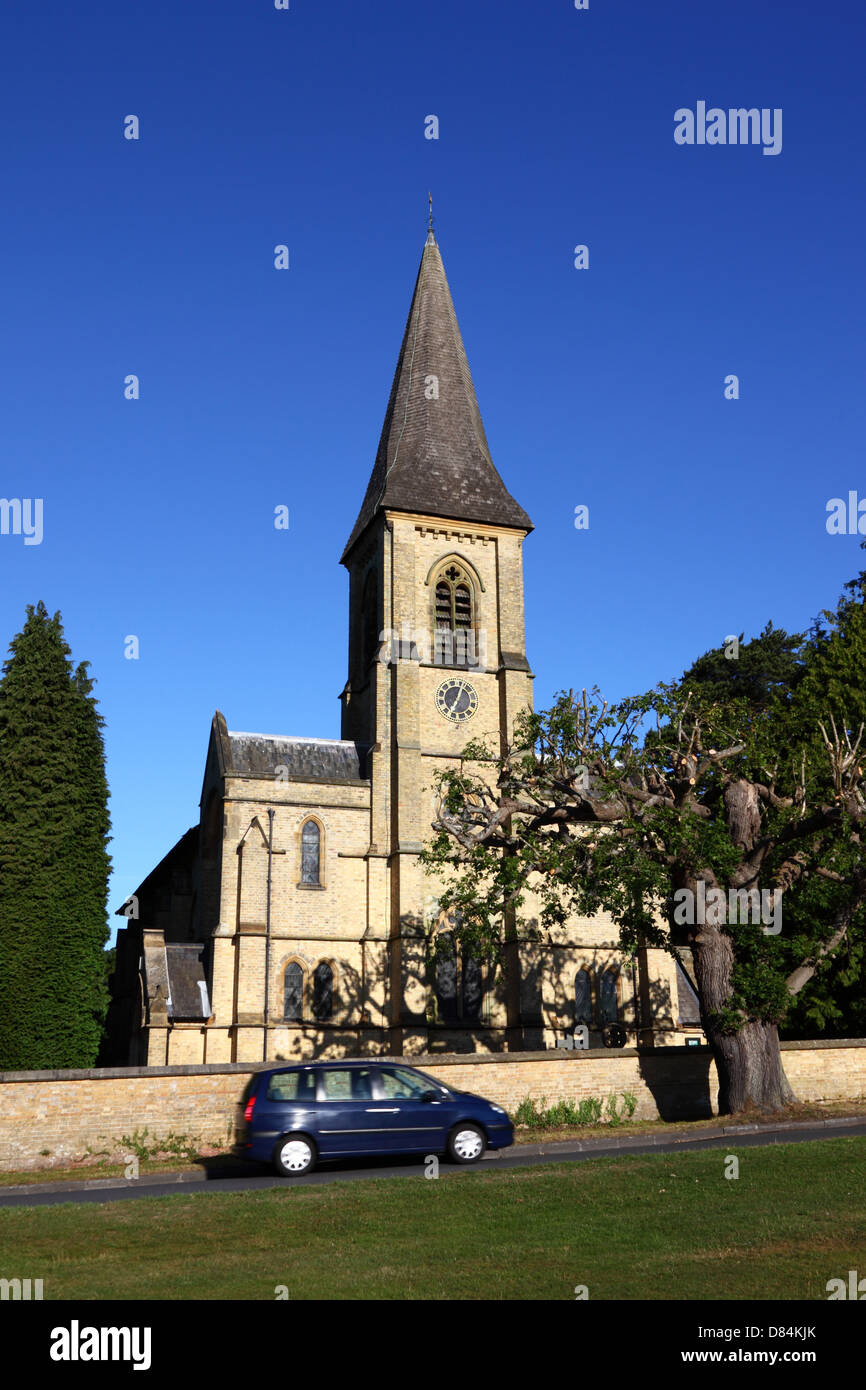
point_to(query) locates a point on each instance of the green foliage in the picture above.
(617, 808)
(144, 1145)
(766, 669)
(589, 1111)
(54, 861)
(833, 1003)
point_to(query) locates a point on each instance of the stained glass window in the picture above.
(607, 997)
(310, 838)
(582, 997)
(293, 998)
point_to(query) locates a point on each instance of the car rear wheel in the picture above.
(295, 1154)
(466, 1143)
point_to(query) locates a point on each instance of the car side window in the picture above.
(398, 1084)
(292, 1085)
(353, 1083)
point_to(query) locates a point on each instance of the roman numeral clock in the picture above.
(456, 699)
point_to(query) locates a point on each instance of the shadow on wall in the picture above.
(680, 1085)
(325, 1003)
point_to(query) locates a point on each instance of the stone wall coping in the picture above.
(422, 1061)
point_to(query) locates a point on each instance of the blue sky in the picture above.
(602, 387)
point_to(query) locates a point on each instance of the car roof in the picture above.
(349, 1062)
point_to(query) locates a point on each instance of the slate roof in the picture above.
(186, 971)
(306, 759)
(433, 455)
(689, 1004)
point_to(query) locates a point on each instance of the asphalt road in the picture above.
(518, 1156)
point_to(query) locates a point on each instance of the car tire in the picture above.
(294, 1155)
(466, 1143)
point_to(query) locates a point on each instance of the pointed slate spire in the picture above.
(433, 455)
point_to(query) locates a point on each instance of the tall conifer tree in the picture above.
(54, 861)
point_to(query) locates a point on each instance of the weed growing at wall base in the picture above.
(538, 1115)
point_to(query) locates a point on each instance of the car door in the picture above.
(348, 1118)
(412, 1124)
(286, 1101)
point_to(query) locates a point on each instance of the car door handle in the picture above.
(383, 1110)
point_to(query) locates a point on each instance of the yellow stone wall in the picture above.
(65, 1112)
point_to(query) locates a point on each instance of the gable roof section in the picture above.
(304, 759)
(173, 872)
(433, 455)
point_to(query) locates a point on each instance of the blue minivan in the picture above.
(294, 1116)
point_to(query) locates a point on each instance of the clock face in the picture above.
(457, 700)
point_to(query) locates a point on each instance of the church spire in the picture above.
(433, 455)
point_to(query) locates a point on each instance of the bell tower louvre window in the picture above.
(455, 640)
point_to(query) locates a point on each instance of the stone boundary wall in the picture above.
(69, 1113)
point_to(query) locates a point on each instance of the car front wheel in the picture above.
(466, 1143)
(295, 1154)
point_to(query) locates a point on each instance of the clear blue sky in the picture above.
(259, 387)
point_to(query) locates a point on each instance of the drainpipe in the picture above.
(268, 930)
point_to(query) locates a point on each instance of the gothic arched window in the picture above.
(608, 1006)
(311, 838)
(293, 993)
(471, 990)
(582, 997)
(323, 991)
(446, 980)
(455, 637)
(459, 984)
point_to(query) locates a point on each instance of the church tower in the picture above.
(436, 626)
(293, 920)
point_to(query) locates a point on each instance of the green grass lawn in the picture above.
(657, 1227)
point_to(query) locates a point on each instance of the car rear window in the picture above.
(292, 1085)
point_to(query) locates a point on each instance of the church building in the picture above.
(293, 920)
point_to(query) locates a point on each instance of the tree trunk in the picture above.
(749, 1065)
(748, 1062)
